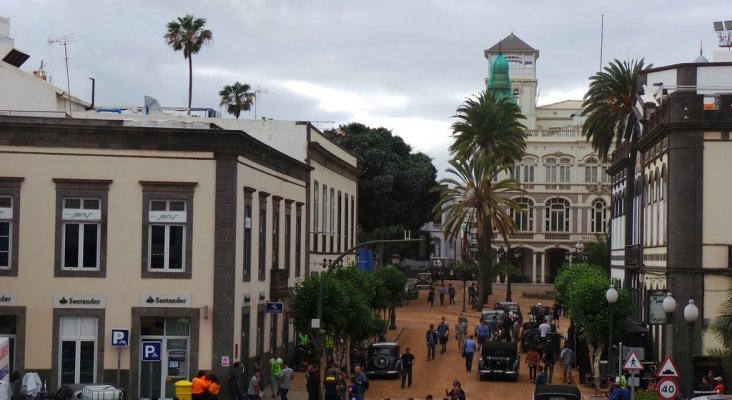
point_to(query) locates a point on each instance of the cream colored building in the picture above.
(174, 230)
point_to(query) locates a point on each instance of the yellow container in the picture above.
(183, 389)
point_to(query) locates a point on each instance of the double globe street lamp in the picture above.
(691, 314)
(507, 257)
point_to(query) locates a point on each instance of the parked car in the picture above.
(510, 307)
(424, 280)
(499, 358)
(383, 359)
(557, 392)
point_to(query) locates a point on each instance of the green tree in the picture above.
(236, 98)
(188, 34)
(721, 327)
(489, 124)
(581, 288)
(394, 182)
(470, 196)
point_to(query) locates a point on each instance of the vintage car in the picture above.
(487, 315)
(499, 358)
(511, 308)
(557, 392)
(383, 359)
(424, 280)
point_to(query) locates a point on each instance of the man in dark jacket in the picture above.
(234, 381)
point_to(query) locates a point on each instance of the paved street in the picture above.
(432, 377)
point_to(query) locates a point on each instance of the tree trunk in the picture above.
(190, 82)
(485, 263)
(595, 354)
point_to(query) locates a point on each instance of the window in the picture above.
(528, 170)
(332, 218)
(288, 233)
(6, 231)
(81, 227)
(345, 220)
(298, 239)
(551, 170)
(325, 217)
(77, 349)
(591, 169)
(248, 192)
(9, 223)
(316, 209)
(557, 215)
(262, 271)
(167, 232)
(353, 220)
(516, 173)
(276, 201)
(599, 216)
(565, 165)
(524, 220)
(339, 225)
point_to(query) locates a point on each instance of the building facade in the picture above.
(567, 199)
(670, 233)
(170, 233)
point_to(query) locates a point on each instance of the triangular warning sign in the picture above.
(667, 369)
(633, 362)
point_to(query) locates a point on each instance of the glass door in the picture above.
(158, 378)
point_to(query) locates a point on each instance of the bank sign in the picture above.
(79, 301)
(165, 300)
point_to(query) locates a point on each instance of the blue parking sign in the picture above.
(120, 337)
(151, 351)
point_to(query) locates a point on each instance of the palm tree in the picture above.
(188, 34)
(236, 98)
(721, 327)
(469, 197)
(609, 102)
(489, 124)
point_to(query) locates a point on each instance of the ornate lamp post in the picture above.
(691, 313)
(669, 307)
(612, 297)
(579, 249)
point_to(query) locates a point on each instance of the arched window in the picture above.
(514, 61)
(599, 216)
(557, 215)
(524, 220)
(591, 169)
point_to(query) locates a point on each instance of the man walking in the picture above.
(432, 338)
(567, 357)
(443, 331)
(461, 331)
(443, 291)
(483, 332)
(469, 350)
(407, 363)
(285, 378)
(451, 293)
(234, 380)
(549, 358)
(275, 367)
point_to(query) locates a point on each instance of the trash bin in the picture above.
(183, 389)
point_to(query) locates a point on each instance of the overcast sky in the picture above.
(402, 64)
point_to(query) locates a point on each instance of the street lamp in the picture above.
(669, 307)
(579, 248)
(612, 297)
(506, 258)
(691, 313)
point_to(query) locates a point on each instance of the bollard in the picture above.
(183, 389)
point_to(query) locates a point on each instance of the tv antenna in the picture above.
(724, 32)
(259, 90)
(65, 41)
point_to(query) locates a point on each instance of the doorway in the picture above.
(555, 258)
(157, 378)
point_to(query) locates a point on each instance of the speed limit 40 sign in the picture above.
(667, 389)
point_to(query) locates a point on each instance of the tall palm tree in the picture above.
(188, 34)
(609, 102)
(236, 98)
(470, 196)
(489, 124)
(721, 327)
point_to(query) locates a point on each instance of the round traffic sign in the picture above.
(667, 388)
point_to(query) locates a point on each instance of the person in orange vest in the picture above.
(213, 388)
(199, 390)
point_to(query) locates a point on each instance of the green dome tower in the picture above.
(499, 81)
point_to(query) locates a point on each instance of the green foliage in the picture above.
(581, 289)
(394, 182)
(645, 395)
(596, 253)
(489, 125)
(392, 280)
(608, 102)
(236, 98)
(721, 327)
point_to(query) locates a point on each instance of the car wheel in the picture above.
(381, 362)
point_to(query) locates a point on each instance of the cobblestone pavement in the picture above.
(433, 377)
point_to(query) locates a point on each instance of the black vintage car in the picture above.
(510, 307)
(557, 392)
(383, 359)
(499, 358)
(424, 281)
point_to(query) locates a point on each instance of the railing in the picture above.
(554, 133)
(557, 236)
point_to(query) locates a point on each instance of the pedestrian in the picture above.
(341, 387)
(549, 358)
(432, 339)
(468, 351)
(506, 326)
(443, 331)
(233, 379)
(472, 294)
(532, 360)
(330, 386)
(516, 330)
(363, 382)
(619, 393)
(254, 391)
(461, 331)
(312, 382)
(556, 312)
(200, 386)
(275, 367)
(354, 390)
(257, 364)
(718, 385)
(451, 293)
(544, 328)
(540, 376)
(431, 297)
(407, 364)
(443, 291)
(567, 358)
(456, 393)
(483, 331)
(285, 378)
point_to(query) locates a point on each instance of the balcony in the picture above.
(278, 284)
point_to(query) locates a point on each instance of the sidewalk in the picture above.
(298, 391)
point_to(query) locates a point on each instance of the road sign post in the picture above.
(151, 351)
(633, 365)
(120, 339)
(667, 388)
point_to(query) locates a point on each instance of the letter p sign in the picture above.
(120, 337)
(151, 351)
